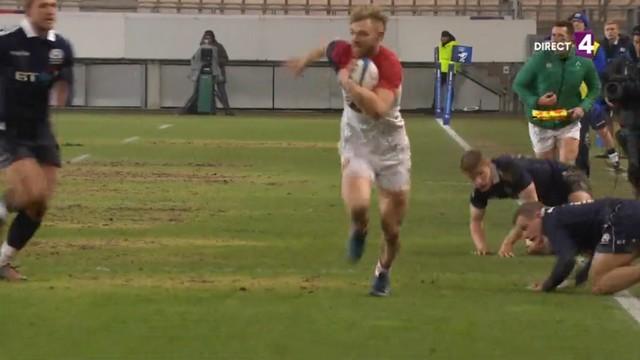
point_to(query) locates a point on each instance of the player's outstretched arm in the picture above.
(506, 249)
(529, 194)
(566, 252)
(297, 65)
(61, 93)
(476, 227)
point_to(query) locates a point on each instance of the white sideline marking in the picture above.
(80, 158)
(131, 139)
(454, 135)
(629, 303)
(165, 126)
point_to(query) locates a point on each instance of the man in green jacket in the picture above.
(550, 80)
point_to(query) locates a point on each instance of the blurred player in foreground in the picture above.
(374, 146)
(608, 226)
(516, 177)
(34, 59)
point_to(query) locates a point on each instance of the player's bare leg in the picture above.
(548, 155)
(611, 273)
(356, 194)
(613, 158)
(568, 150)
(31, 187)
(393, 207)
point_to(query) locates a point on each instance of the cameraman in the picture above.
(204, 59)
(622, 91)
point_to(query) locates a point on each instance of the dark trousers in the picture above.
(221, 94)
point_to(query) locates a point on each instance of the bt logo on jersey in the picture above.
(26, 76)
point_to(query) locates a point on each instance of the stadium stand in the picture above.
(541, 10)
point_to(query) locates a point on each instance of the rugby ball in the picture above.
(365, 73)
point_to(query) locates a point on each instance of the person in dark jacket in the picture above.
(616, 44)
(221, 83)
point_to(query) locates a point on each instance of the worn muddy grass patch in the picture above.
(137, 243)
(123, 217)
(244, 283)
(220, 143)
(151, 173)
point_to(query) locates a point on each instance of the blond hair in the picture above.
(471, 160)
(369, 12)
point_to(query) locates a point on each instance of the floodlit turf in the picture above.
(224, 238)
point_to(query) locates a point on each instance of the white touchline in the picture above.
(80, 158)
(628, 302)
(131, 139)
(165, 126)
(454, 135)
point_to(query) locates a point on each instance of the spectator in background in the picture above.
(616, 44)
(221, 84)
(636, 40)
(445, 54)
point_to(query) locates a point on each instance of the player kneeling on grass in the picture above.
(529, 180)
(608, 226)
(374, 146)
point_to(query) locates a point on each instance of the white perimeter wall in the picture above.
(175, 36)
(149, 38)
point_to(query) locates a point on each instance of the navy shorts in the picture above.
(596, 118)
(11, 152)
(620, 233)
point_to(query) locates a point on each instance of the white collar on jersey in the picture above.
(28, 29)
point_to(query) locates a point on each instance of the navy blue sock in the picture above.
(21, 231)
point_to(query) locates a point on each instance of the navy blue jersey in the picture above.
(577, 228)
(516, 173)
(29, 66)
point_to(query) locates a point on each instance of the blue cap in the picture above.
(580, 16)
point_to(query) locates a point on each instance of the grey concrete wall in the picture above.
(167, 86)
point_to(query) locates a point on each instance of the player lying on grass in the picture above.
(374, 146)
(610, 227)
(516, 177)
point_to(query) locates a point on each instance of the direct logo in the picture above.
(56, 57)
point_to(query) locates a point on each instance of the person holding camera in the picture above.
(622, 92)
(208, 58)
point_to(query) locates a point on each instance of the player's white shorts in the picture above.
(544, 140)
(387, 176)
